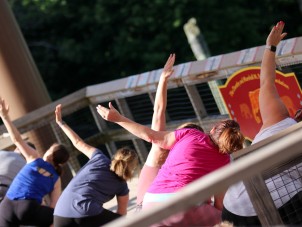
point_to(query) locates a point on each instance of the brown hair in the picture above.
(124, 163)
(227, 136)
(60, 155)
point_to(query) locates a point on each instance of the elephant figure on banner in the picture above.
(254, 99)
(245, 111)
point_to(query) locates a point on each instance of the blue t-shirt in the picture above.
(93, 185)
(32, 185)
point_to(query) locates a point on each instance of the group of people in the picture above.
(81, 203)
(179, 157)
(176, 159)
(193, 153)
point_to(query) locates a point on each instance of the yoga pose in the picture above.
(39, 177)
(97, 182)
(157, 155)
(192, 154)
(238, 208)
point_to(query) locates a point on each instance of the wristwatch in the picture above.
(271, 48)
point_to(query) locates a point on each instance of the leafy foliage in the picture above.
(77, 43)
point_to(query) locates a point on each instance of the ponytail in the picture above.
(227, 136)
(60, 156)
(59, 169)
(124, 163)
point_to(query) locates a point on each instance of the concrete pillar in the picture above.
(20, 82)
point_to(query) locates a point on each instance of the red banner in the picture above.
(241, 91)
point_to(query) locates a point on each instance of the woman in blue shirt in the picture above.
(39, 177)
(97, 182)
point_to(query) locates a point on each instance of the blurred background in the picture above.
(77, 43)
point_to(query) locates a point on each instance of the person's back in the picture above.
(192, 156)
(11, 163)
(93, 185)
(98, 181)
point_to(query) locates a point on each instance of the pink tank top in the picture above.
(192, 156)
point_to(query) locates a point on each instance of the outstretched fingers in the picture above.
(58, 113)
(4, 108)
(170, 61)
(108, 114)
(168, 68)
(276, 34)
(102, 111)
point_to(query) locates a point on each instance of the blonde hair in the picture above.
(124, 163)
(227, 136)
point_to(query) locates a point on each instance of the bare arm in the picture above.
(218, 201)
(160, 103)
(159, 110)
(74, 138)
(122, 204)
(272, 108)
(55, 194)
(29, 153)
(164, 139)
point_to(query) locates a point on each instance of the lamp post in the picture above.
(201, 52)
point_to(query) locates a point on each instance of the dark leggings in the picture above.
(92, 221)
(24, 212)
(290, 213)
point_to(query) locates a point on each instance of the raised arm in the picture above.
(160, 103)
(74, 138)
(163, 139)
(29, 153)
(272, 108)
(156, 155)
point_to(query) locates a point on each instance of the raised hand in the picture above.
(109, 114)
(276, 34)
(58, 113)
(4, 109)
(168, 68)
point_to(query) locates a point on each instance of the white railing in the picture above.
(261, 157)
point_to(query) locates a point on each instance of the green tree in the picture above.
(77, 43)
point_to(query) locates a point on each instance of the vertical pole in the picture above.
(201, 52)
(262, 201)
(20, 84)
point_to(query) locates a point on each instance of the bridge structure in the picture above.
(189, 99)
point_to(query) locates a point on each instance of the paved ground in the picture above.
(111, 205)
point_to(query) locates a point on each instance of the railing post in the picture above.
(196, 101)
(138, 143)
(102, 128)
(262, 201)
